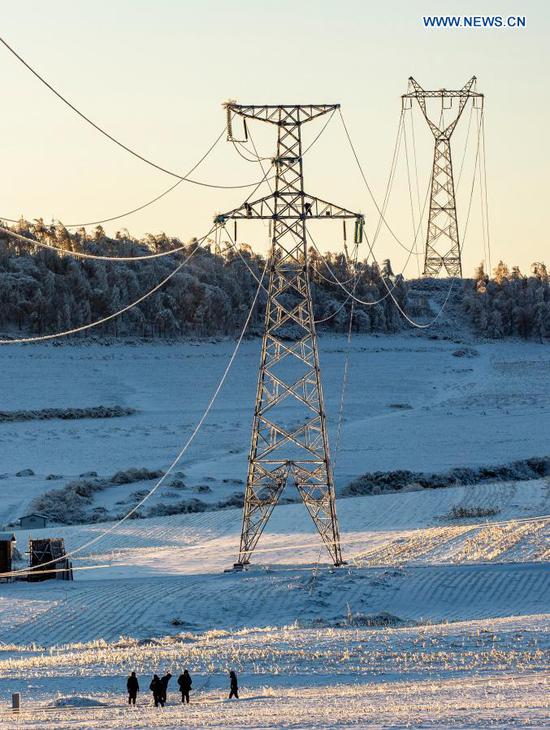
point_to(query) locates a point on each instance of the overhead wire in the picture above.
(103, 320)
(174, 462)
(486, 199)
(369, 189)
(411, 195)
(109, 317)
(109, 136)
(415, 161)
(93, 257)
(98, 257)
(271, 549)
(345, 376)
(403, 313)
(144, 205)
(153, 200)
(337, 281)
(387, 193)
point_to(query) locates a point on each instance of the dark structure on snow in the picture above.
(50, 553)
(7, 544)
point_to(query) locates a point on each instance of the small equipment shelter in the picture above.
(32, 522)
(50, 553)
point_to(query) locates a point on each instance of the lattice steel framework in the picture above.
(442, 239)
(288, 443)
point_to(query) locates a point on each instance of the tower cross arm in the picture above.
(281, 114)
(288, 206)
(418, 92)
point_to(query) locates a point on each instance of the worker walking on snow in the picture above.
(156, 689)
(164, 684)
(234, 691)
(132, 685)
(185, 683)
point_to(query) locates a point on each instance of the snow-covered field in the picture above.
(434, 622)
(410, 404)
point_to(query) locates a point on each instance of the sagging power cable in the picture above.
(94, 257)
(109, 317)
(98, 257)
(378, 208)
(109, 136)
(390, 292)
(175, 461)
(144, 205)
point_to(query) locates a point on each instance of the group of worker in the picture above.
(159, 687)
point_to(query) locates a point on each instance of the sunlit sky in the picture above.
(155, 73)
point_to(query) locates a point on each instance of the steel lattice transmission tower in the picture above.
(442, 239)
(288, 443)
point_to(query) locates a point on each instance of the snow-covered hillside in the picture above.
(423, 597)
(437, 619)
(411, 403)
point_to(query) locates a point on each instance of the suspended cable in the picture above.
(175, 185)
(387, 193)
(320, 133)
(390, 292)
(415, 160)
(335, 279)
(411, 196)
(83, 255)
(465, 145)
(178, 457)
(345, 372)
(331, 316)
(144, 205)
(272, 549)
(380, 211)
(109, 317)
(110, 136)
(241, 154)
(484, 162)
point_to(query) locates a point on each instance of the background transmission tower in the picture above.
(442, 240)
(289, 443)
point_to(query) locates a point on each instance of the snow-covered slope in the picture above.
(405, 557)
(411, 403)
(435, 620)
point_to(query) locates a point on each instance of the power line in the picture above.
(175, 185)
(380, 211)
(403, 313)
(484, 163)
(82, 328)
(83, 255)
(411, 193)
(144, 205)
(111, 137)
(178, 457)
(387, 193)
(97, 257)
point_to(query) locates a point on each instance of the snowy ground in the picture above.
(435, 622)
(410, 404)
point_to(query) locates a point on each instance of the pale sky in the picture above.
(155, 72)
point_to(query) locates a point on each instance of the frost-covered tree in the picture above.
(42, 291)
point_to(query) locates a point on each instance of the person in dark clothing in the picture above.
(164, 684)
(156, 689)
(234, 691)
(132, 685)
(185, 683)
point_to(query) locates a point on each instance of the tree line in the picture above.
(509, 303)
(44, 291)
